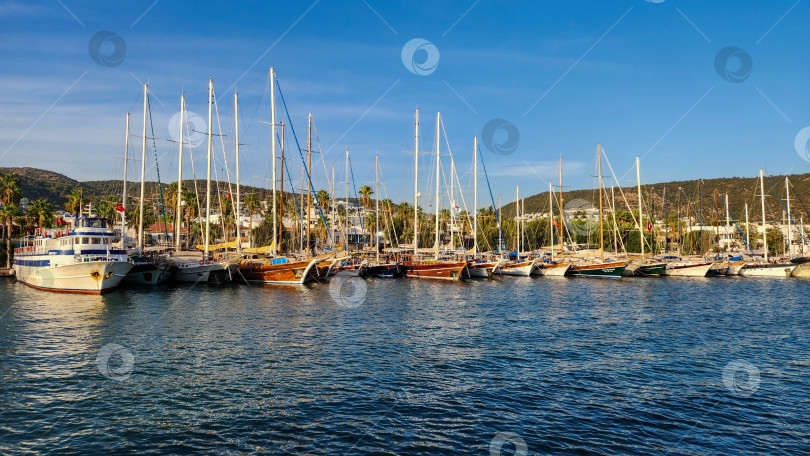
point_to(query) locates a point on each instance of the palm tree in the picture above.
(74, 202)
(41, 211)
(366, 193)
(10, 192)
(8, 214)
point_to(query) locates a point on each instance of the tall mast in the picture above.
(333, 204)
(124, 199)
(281, 203)
(238, 196)
(377, 206)
(601, 228)
(728, 222)
(346, 236)
(666, 221)
(475, 195)
(438, 164)
(640, 210)
(523, 222)
(762, 197)
(143, 169)
(178, 218)
(562, 241)
(517, 220)
(208, 172)
(309, 174)
(301, 218)
(747, 228)
(416, 186)
(273, 148)
(700, 194)
(680, 237)
(551, 217)
(615, 225)
(789, 220)
(452, 201)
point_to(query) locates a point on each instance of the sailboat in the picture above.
(190, 266)
(550, 267)
(144, 270)
(766, 268)
(643, 266)
(597, 267)
(381, 267)
(477, 266)
(276, 268)
(437, 268)
(521, 266)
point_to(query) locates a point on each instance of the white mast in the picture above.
(438, 164)
(416, 186)
(728, 224)
(747, 230)
(347, 200)
(273, 140)
(452, 201)
(640, 211)
(377, 206)
(177, 219)
(517, 220)
(789, 220)
(762, 197)
(143, 169)
(551, 217)
(238, 211)
(124, 199)
(475, 195)
(208, 175)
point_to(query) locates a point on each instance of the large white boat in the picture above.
(79, 259)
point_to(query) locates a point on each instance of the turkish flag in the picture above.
(228, 195)
(649, 227)
(555, 223)
(61, 222)
(120, 208)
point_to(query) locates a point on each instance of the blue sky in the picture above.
(639, 77)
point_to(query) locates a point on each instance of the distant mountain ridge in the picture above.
(39, 183)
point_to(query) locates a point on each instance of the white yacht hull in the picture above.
(688, 270)
(89, 278)
(523, 269)
(552, 270)
(776, 271)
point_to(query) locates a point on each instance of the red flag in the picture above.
(228, 195)
(61, 222)
(120, 208)
(555, 223)
(649, 227)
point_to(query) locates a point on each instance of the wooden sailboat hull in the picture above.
(779, 271)
(146, 274)
(450, 270)
(600, 271)
(552, 269)
(648, 270)
(802, 270)
(290, 273)
(734, 267)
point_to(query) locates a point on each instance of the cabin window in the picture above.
(96, 241)
(85, 240)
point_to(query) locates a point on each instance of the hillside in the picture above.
(740, 190)
(39, 183)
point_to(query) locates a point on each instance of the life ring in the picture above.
(202, 262)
